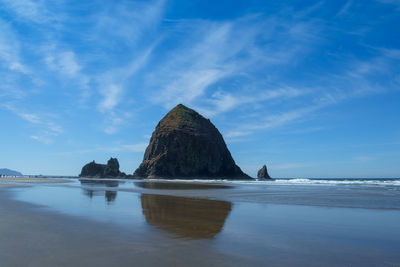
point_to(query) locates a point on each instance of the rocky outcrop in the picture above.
(187, 145)
(263, 173)
(109, 170)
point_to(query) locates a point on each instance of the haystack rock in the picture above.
(187, 145)
(109, 170)
(263, 173)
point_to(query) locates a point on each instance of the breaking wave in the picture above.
(305, 181)
(382, 182)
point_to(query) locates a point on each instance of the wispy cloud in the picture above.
(135, 148)
(357, 78)
(274, 121)
(187, 74)
(233, 134)
(33, 11)
(345, 8)
(64, 62)
(112, 86)
(66, 65)
(114, 121)
(42, 139)
(9, 87)
(127, 21)
(112, 83)
(10, 50)
(284, 118)
(222, 101)
(112, 96)
(231, 51)
(46, 128)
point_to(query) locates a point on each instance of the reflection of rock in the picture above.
(109, 170)
(91, 193)
(185, 144)
(110, 195)
(263, 173)
(186, 217)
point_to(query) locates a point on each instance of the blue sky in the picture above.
(310, 88)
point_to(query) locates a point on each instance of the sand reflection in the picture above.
(186, 217)
(110, 195)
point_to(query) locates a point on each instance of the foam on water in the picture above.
(304, 181)
(375, 182)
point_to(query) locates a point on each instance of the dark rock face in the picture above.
(187, 145)
(109, 170)
(263, 173)
(112, 168)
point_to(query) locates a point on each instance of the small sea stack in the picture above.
(109, 170)
(187, 145)
(263, 173)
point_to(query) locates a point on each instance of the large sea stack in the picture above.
(187, 145)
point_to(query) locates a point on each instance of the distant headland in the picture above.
(183, 145)
(8, 172)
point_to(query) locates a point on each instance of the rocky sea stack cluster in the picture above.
(184, 145)
(109, 170)
(187, 145)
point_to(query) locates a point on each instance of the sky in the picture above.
(310, 88)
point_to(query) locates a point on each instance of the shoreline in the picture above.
(33, 180)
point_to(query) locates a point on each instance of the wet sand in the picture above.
(32, 180)
(123, 223)
(33, 236)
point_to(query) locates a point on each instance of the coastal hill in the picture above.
(8, 172)
(187, 145)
